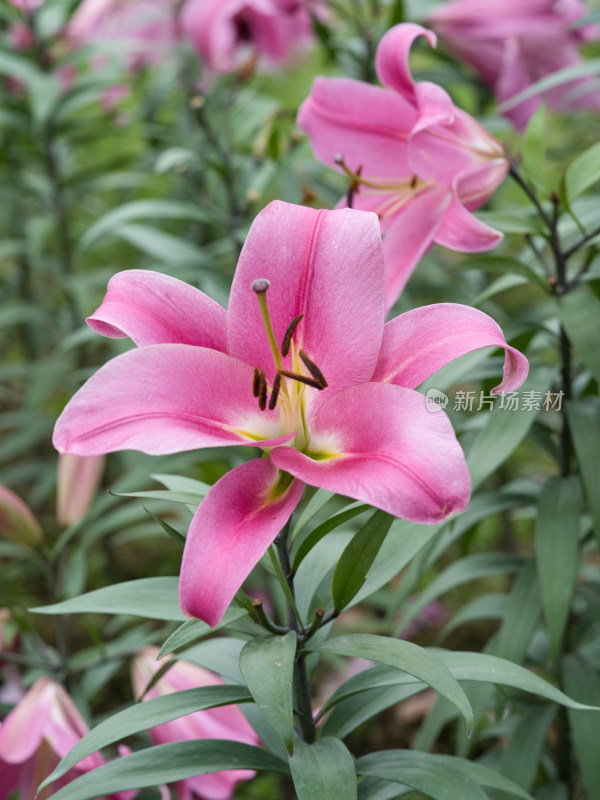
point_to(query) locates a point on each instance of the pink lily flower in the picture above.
(333, 406)
(414, 158)
(514, 43)
(229, 33)
(146, 29)
(225, 722)
(35, 736)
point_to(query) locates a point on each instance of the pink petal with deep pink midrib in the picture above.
(327, 265)
(166, 398)
(419, 342)
(233, 527)
(391, 60)
(152, 308)
(378, 443)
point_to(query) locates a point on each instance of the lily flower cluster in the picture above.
(301, 365)
(514, 43)
(414, 158)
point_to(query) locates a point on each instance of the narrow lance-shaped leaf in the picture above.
(168, 763)
(267, 665)
(357, 558)
(581, 680)
(405, 656)
(579, 313)
(434, 778)
(323, 771)
(557, 551)
(584, 419)
(152, 598)
(146, 715)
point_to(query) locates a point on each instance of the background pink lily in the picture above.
(419, 162)
(225, 722)
(228, 33)
(362, 431)
(35, 736)
(144, 30)
(514, 43)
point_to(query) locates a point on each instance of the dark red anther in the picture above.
(313, 369)
(287, 339)
(256, 383)
(262, 391)
(275, 391)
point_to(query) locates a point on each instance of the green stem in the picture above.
(301, 679)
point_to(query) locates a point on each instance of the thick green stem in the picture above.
(301, 679)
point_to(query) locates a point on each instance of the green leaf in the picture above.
(464, 666)
(195, 629)
(557, 78)
(397, 13)
(354, 711)
(323, 771)
(315, 536)
(168, 763)
(557, 551)
(581, 174)
(267, 665)
(465, 570)
(504, 265)
(534, 144)
(522, 615)
(152, 598)
(357, 558)
(185, 498)
(504, 430)
(172, 532)
(406, 656)
(526, 745)
(584, 421)
(579, 313)
(582, 681)
(524, 222)
(140, 209)
(165, 247)
(487, 606)
(404, 540)
(434, 776)
(145, 715)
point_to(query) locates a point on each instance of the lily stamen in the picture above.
(313, 369)
(287, 339)
(413, 183)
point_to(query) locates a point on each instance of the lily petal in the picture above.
(378, 443)
(461, 231)
(165, 398)
(410, 236)
(234, 525)
(418, 343)
(315, 262)
(367, 125)
(152, 308)
(391, 60)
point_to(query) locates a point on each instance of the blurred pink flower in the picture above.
(35, 736)
(26, 5)
(17, 521)
(225, 722)
(514, 43)
(145, 30)
(342, 413)
(78, 479)
(229, 33)
(418, 161)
